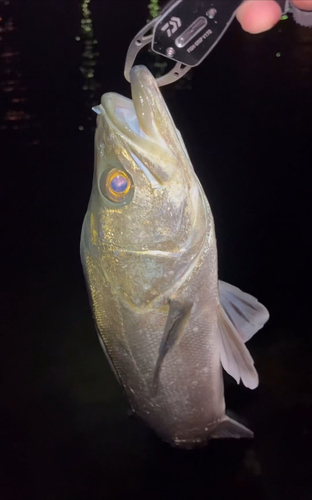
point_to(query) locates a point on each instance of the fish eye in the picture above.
(115, 185)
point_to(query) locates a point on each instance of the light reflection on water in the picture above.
(16, 115)
(89, 58)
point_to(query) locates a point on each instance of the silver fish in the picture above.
(148, 248)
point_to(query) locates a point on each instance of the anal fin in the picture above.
(234, 355)
(229, 428)
(178, 316)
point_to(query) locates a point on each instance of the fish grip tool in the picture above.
(186, 31)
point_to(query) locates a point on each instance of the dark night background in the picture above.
(245, 115)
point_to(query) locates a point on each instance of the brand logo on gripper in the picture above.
(172, 26)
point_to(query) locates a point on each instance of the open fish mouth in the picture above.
(122, 113)
(146, 126)
(146, 116)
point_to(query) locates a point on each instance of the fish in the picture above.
(167, 324)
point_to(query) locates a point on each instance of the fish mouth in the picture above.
(147, 129)
(122, 114)
(144, 121)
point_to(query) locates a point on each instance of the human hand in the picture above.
(256, 16)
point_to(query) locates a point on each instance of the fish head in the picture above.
(146, 198)
(148, 194)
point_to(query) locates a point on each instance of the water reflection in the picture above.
(89, 58)
(15, 113)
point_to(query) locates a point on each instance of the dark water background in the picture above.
(245, 115)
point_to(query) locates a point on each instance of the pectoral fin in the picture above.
(179, 313)
(244, 311)
(110, 362)
(234, 355)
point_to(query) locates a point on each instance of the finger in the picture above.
(256, 16)
(303, 4)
